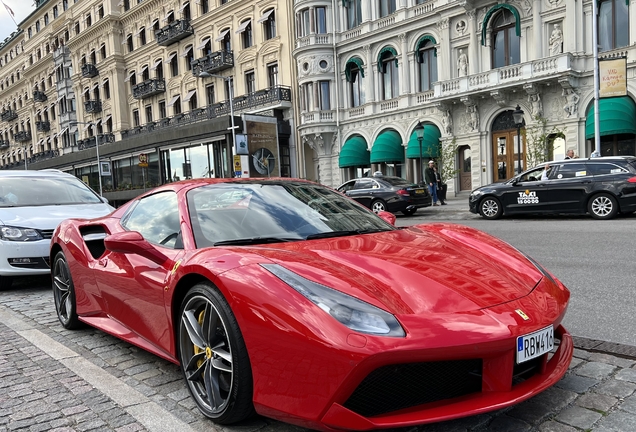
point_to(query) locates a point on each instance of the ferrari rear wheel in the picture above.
(213, 356)
(64, 293)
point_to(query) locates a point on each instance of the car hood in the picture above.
(436, 268)
(49, 217)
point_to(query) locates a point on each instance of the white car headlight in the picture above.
(19, 234)
(353, 313)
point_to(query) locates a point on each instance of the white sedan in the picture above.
(32, 204)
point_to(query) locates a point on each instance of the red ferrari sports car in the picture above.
(285, 298)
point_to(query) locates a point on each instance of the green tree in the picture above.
(538, 141)
(447, 160)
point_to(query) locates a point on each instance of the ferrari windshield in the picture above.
(243, 213)
(18, 191)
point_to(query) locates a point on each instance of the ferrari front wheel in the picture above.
(213, 356)
(64, 293)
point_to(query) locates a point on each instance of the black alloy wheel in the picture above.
(213, 356)
(64, 293)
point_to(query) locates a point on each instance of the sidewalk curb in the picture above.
(604, 347)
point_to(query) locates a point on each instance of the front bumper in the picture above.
(24, 258)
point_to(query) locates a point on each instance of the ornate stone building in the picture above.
(108, 80)
(370, 71)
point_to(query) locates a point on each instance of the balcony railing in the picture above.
(149, 88)
(48, 154)
(90, 141)
(39, 96)
(4, 144)
(262, 98)
(89, 70)
(214, 62)
(22, 136)
(93, 106)
(42, 126)
(8, 115)
(174, 32)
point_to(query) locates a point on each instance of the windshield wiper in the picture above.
(254, 241)
(343, 233)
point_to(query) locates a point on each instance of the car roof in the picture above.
(35, 173)
(597, 159)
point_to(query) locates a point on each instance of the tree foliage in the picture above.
(447, 160)
(538, 141)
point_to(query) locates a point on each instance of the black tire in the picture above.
(409, 212)
(490, 208)
(377, 206)
(64, 293)
(213, 356)
(5, 282)
(602, 206)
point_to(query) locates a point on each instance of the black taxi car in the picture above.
(601, 186)
(386, 193)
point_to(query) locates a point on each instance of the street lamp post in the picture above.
(231, 100)
(517, 115)
(99, 171)
(419, 132)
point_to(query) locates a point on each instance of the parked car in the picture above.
(386, 193)
(297, 303)
(32, 204)
(602, 187)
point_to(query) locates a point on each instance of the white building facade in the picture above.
(370, 71)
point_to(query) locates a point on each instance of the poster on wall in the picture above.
(263, 149)
(613, 77)
(240, 147)
(104, 169)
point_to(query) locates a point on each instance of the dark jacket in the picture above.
(429, 176)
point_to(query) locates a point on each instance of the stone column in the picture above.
(444, 58)
(569, 27)
(537, 30)
(370, 73)
(405, 66)
(473, 51)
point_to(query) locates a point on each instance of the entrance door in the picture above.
(465, 181)
(506, 154)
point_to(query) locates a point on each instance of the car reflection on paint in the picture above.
(602, 187)
(386, 193)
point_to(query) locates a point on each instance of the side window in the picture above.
(347, 186)
(365, 184)
(156, 217)
(571, 170)
(534, 175)
(596, 168)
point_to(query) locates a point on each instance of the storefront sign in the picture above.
(613, 74)
(241, 145)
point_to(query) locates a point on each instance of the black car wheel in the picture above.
(377, 206)
(64, 293)
(602, 206)
(213, 356)
(490, 208)
(409, 212)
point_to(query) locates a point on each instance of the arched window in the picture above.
(354, 74)
(54, 12)
(158, 67)
(189, 56)
(246, 33)
(102, 51)
(354, 13)
(427, 61)
(226, 41)
(129, 42)
(613, 24)
(174, 64)
(46, 19)
(142, 36)
(145, 73)
(106, 87)
(186, 12)
(93, 57)
(387, 64)
(505, 40)
(37, 26)
(269, 24)
(387, 7)
(170, 17)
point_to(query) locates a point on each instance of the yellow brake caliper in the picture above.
(197, 350)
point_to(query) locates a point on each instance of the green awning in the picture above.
(494, 9)
(383, 51)
(421, 41)
(430, 143)
(353, 62)
(354, 153)
(387, 148)
(617, 115)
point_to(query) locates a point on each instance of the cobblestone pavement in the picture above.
(52, 379)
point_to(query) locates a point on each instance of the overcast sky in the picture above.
(21, 9)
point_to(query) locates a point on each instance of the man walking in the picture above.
(431, 181)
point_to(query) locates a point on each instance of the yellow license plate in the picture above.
(419, 191)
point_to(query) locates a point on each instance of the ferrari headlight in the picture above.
(19, 234)
(353, 313)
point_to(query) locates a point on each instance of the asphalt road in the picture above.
(594, 259)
